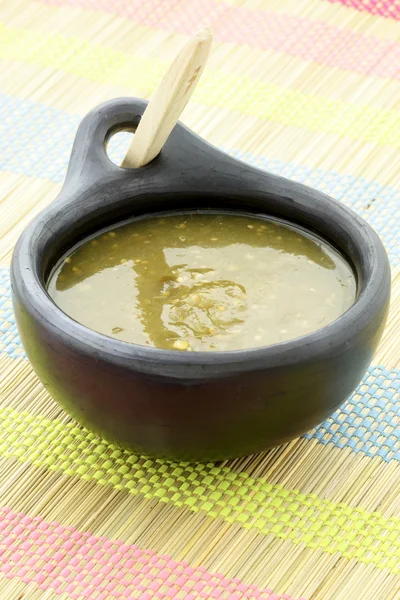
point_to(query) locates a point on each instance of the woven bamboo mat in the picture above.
(305, 88)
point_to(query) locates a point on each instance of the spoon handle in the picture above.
(169, 100)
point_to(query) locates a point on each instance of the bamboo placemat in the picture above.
(309, 89)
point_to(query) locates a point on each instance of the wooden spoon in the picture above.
(169, 100)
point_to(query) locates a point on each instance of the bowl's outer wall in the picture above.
(174, 407)
(208, 420)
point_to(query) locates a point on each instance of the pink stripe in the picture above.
(82, 565)
(390, 9)
(308, 39)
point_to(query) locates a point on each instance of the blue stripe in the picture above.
(366, 423)
(36, 141)
(369, 421)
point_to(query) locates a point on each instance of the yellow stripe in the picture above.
(254, 558)
(249, 134)
(217, 491)
(243, 95)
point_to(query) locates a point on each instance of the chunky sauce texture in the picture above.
(204, 282)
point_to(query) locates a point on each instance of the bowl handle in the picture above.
(185, 164)
(89, 161)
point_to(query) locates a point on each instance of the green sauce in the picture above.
(204, 282)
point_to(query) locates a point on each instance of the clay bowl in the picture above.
(198, 405)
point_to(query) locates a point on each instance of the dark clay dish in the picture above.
(190, 405)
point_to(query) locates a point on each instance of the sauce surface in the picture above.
(204, 282)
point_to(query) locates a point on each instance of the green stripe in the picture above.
(217, 491)
(245, 95)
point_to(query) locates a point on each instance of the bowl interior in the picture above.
(72, 233)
